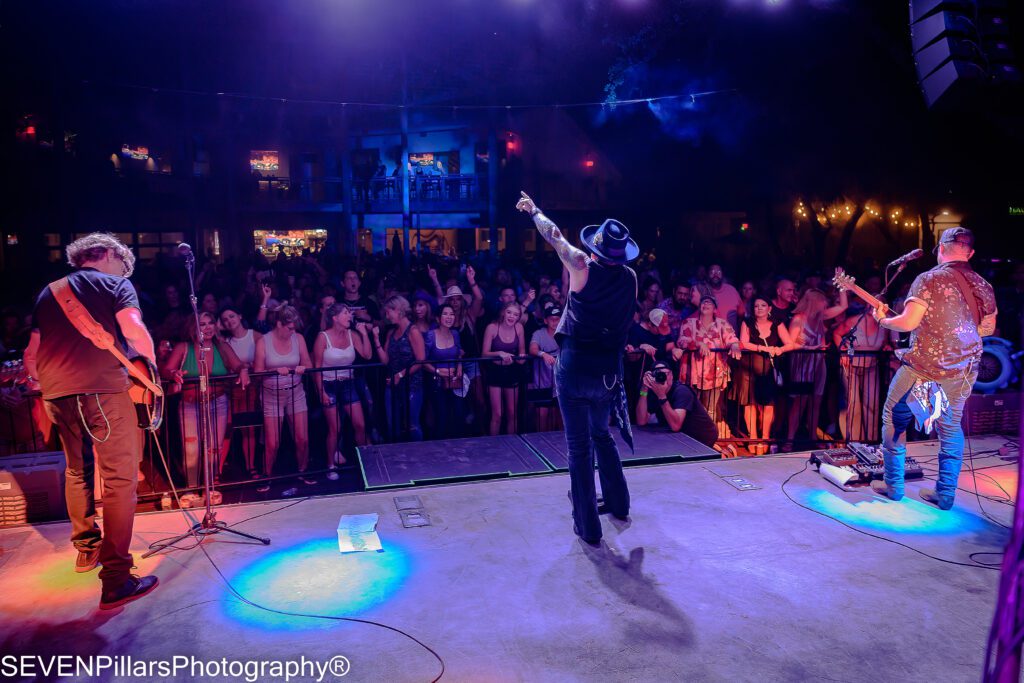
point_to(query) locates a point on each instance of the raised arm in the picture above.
(432, 273)
(361, 339)
(574, 260)
(476, 307)
(382, 354)
(836, 310)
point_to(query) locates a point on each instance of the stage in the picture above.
(705, 582)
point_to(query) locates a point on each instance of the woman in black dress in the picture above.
(755, 387)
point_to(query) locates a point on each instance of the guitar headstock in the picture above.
(843, 280)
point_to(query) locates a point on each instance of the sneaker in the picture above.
(941, 502)
(87, 560)
(263, 489)
(883, 489)
(332, 474)
(133, 588)
(306, 479)
(189, 500)
(216, 498)
(288, 493)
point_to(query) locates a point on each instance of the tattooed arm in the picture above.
(574, 260)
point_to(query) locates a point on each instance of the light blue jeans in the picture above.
(896, 417)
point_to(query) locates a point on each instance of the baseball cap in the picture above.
(659, 318)
(957, 235)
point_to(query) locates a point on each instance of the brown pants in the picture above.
(115, 445)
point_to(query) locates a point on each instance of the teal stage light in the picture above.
(312, 577)
(908, 516)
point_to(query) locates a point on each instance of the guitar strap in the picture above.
(968, 293)
(87, 326)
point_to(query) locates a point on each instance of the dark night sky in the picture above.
(826, 98)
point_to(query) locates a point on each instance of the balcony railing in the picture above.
(425, 192)
(284, 192)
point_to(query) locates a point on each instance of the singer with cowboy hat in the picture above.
(588, 374)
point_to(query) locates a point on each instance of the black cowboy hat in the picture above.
(610, 241)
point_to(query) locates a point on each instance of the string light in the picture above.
(391, 105)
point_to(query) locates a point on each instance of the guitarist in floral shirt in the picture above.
(948, 311)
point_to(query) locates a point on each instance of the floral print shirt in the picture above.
(946, 343)
(711, 371)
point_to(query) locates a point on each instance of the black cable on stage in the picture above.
(976, 565)
(974, 474)
(234, 591)
(989, 564)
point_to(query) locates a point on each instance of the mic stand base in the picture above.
(208, 527)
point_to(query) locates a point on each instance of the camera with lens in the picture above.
(661, 375)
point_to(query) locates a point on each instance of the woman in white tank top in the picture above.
(245, 412)
(284, 350)
(337, 346)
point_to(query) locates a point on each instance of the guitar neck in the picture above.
(875, 303)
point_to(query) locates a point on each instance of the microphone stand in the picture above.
(850, 337)
(207, 449)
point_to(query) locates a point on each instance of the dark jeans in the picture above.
(117, 448)
(586, 401)
(449, 412)
(404, 403)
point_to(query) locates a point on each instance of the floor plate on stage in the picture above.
(650, 446)
(408, 464)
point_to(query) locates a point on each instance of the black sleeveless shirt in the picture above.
(597, 319)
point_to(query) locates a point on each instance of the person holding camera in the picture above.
(675, 405)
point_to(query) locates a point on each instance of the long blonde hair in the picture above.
(811, 306)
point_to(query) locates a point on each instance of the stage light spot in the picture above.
(314, 578)
(50, 582)
(909, 516)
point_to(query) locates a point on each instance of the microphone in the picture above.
(910, 256)
(185, 251)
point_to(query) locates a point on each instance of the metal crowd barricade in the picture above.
(853, 388)
(842, 393)
(292, 406)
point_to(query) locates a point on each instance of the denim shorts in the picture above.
(343, 391)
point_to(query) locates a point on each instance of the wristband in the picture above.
(643, 392)
(535, 211)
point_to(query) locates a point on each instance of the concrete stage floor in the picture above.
(706, 583)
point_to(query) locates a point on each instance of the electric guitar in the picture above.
(149, 403)
(846, 282)
(148, 397)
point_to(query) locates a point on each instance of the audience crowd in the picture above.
(315, 349)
